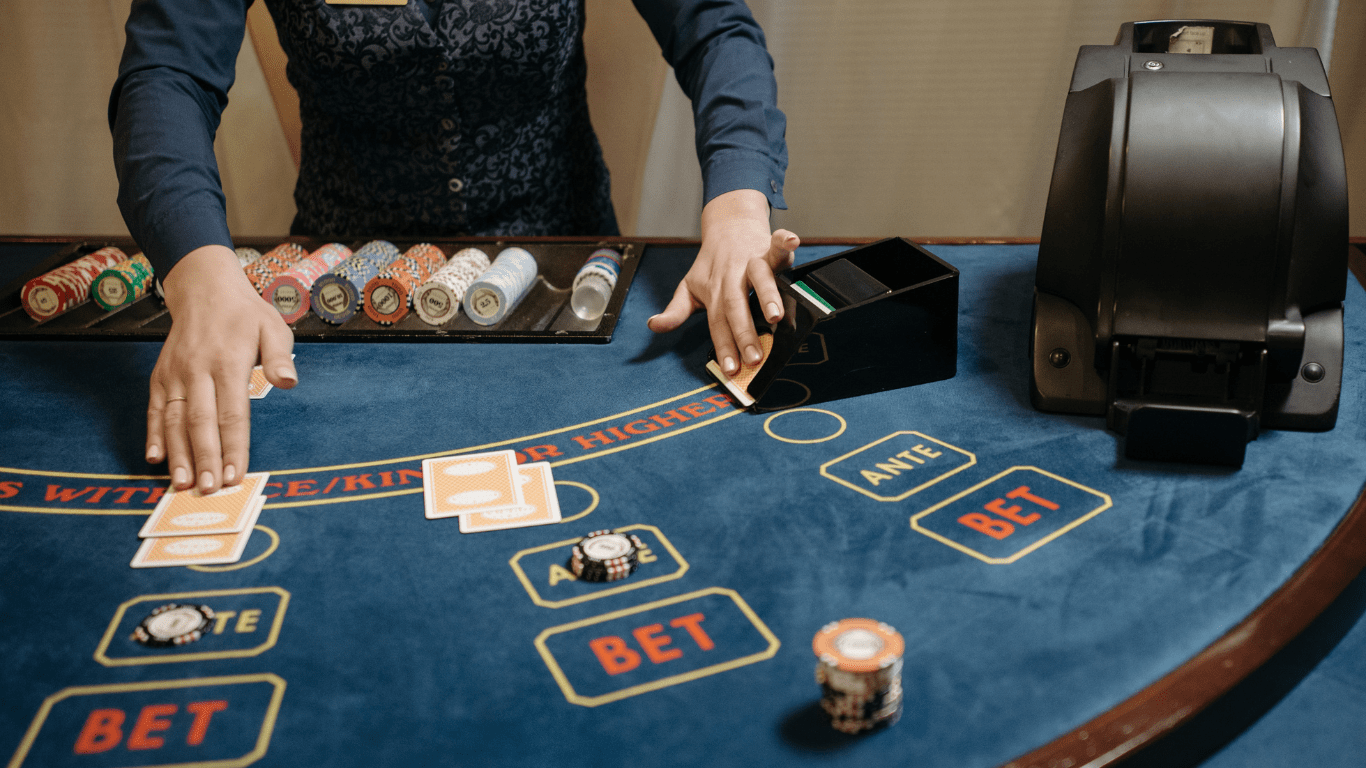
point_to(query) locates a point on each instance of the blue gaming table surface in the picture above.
(357, 632)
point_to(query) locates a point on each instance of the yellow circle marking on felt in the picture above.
(592, 505)
(274, 545)
(769, 428)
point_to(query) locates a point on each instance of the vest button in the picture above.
(441, 67)
(447, 123)
(455, 185)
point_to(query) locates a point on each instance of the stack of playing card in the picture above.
(489, 491)
(190, 528)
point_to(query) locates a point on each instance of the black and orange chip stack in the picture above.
(273, 263)
(388, 295)
(859, 670)
(55, 292)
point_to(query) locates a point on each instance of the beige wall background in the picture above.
(926, 118)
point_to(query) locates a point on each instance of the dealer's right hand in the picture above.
(198, 412)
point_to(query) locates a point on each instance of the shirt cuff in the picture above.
(166, 242)
(732, 169)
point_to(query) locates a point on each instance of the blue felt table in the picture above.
(383, 638)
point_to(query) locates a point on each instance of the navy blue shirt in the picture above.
(465, 117)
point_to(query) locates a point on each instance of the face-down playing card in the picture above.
(542, 505)
(191, 513)
(477, 482)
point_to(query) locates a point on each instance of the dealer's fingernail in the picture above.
(772, 311)
(205, 481)
(153, 454)
(728, 365)
(229, 474)
(178, 477)
(288, 375)
(753, 355)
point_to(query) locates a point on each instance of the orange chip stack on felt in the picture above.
(53, 293)
(276, 261)
(388, 295)
(859, 670)
(290, 291)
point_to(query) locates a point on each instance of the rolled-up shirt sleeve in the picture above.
(722, 63)
(178, 64)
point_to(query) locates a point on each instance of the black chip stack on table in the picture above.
(859, 671)
(606, 556)
(173, 624)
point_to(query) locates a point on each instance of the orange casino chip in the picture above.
(858, 645)
(276, 261)
(388, 295)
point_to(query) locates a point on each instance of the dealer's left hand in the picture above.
(738, 253)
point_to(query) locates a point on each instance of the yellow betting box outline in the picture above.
(382, 462)
(262, 738)
(592, 701)
(972, 460)
(624, 587)
(915, 519)
(238, 653)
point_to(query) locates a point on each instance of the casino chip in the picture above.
(278, 260)
(606, 556)
(53, 293)
(437, 300)
(389, 294)
(859, 670)
(336, 296)
(502, 286)
(173, 624)
(290, 290)
(123, 283)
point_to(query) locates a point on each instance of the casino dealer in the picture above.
(370, 134)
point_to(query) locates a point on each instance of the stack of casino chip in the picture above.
(123, 283)
(388, 295)
(276, 261)
(438, 300)
(245, 256)
(53, 293)
(606, 556)
(859, 671)
(289, 292)
(497, 292)
(174, 624)
(337, 295)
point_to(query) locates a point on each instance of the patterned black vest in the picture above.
(475, 123)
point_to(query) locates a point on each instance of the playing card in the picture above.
(217, 549)
(190, 513)
(738, 384)
(258, 385)
(476, 482)
(542, 506)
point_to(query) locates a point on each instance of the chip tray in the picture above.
(543, 316)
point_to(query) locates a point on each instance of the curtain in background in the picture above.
(908, 117)
(57, 64)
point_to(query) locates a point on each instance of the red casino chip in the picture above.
(48, 295)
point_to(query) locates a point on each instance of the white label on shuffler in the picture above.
(1191, 40)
